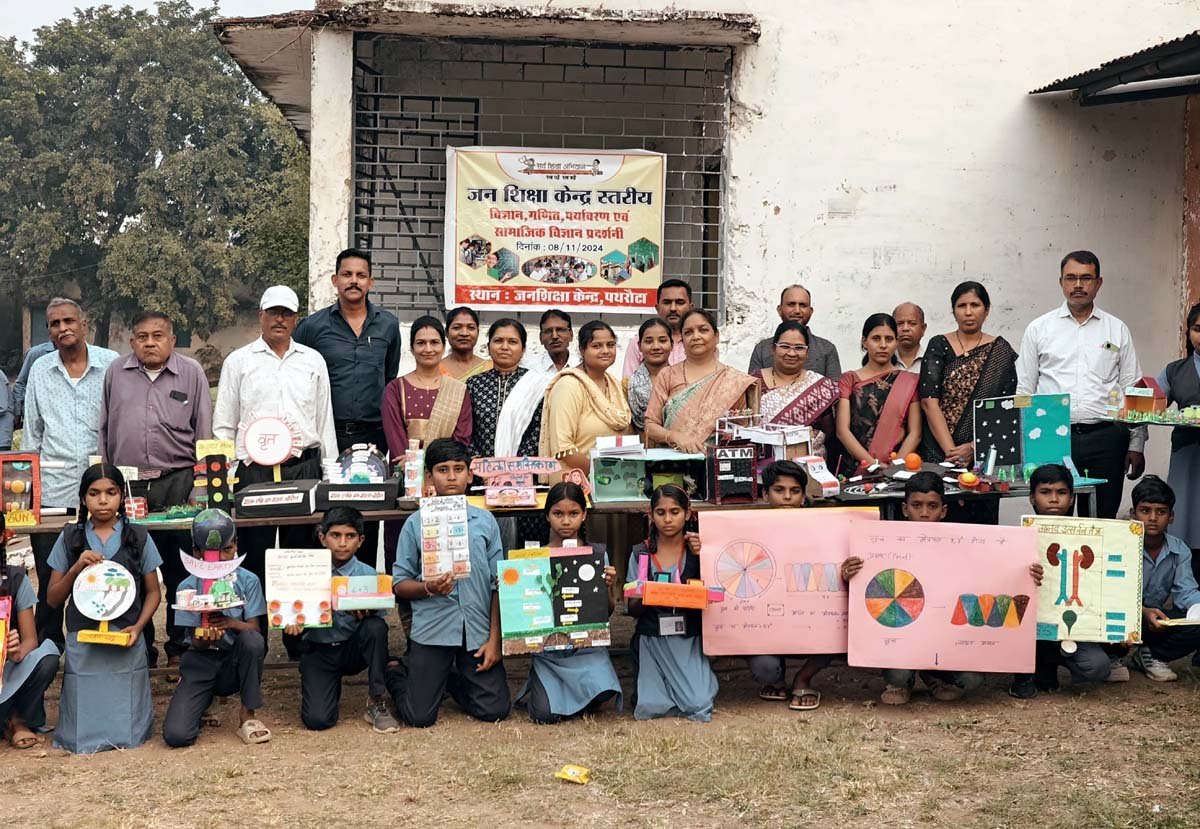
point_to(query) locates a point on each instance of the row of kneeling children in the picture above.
(454, 646)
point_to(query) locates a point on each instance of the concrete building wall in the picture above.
(881, 152)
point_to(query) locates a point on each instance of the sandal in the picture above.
(895, 695)
(799, 697)
(773, 693)
(210, 717)
(253, 732)
(22, 738)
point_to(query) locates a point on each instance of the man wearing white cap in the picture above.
(274, 376)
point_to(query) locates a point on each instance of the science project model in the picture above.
(103, 592)
(21, 488)
(553, 600)
(212, 531)
(359, 477)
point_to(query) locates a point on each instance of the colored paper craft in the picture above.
(445, 547)
(1024, 430)
(21, 488)
(954, 597)
(1092, 591)
(298, 588)
(553, 600)
(732, 474)
(363, 592)
(103, 591)
(781, 572)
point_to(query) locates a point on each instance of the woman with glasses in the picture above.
(791, 394)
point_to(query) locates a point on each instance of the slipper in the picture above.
(799, 695)
(23, 739)
(210, 717)
(895, 695)
(773, 693)
(254, 732)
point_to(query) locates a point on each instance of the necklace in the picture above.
(963, 348)
(503, 384)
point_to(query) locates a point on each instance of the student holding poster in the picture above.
(896, 599)
(455, 641)
(785, 482)
(565, 684)
(1052, 492)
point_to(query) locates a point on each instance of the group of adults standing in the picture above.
(334, 377)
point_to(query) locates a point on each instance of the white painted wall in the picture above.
(882, 152)
(331, 158)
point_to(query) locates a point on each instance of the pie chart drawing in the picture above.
(745, 569)
(895, 598)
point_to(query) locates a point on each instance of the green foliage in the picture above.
(137, 163)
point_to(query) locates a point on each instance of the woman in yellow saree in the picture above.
(688, 398)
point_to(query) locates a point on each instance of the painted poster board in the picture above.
(1024, 430)
(1092, 591)
(553, 600)
(781, 571)
(298, 588)
(529, 229)
(954, 597)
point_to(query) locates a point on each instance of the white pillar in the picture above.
(331, 158)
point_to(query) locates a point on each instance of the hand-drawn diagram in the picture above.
(895, 598)
(989, 610)
(745, 569)
(781, 572)
(103, 591)
(1092, 591)
(556, 600)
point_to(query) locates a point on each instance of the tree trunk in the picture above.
(102, 324)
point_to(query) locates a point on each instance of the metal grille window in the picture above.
(415, 97)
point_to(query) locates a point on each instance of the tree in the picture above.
(150, 169)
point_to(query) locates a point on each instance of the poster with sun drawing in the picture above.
(1025, 431)
(955, 597)
(1092, 591)
(554, 600)
(781, 572)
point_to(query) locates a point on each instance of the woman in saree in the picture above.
(423, 405)
(688, 398)
(959, 368)
(792, 395)
(462, 330)
(584, 403)
(654, 342)
(1180, 381)
(877, 409)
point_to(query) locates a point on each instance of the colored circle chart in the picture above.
(745, 569)
(895, 598)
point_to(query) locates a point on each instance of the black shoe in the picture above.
(1046, 684)
(1023, 687)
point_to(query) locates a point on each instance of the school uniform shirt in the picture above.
(1087, 360)
(1170, 577)
(345, 625)
(466, 614)
(150, 423)
(15, 673)
(254, 380)
(360, 365)
(62, 421)
(247, 587)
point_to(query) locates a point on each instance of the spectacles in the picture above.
(795, 349)
(1085, 281)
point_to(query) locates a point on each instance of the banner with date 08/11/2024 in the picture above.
(529, 229)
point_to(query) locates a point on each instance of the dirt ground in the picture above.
(1114, 756)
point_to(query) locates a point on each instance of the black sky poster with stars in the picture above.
(999, 426)
(582, 581)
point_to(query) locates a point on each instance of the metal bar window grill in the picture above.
(415, 97)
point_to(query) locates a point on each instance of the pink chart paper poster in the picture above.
(954, 597)
(781, 570)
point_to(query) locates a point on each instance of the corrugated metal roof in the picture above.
(1143, 60)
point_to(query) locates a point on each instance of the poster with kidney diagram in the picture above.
(954, 597)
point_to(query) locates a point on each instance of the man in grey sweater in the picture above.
(795, 303)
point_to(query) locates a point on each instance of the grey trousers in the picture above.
(211, 672)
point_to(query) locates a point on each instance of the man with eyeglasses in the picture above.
(795, 304)
(1080, 350)
(274, 376)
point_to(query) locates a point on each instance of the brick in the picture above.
(482, 51)
(523, 54)
(583, 74)
(604, 126)
(563, 125)
(564, 54)
(564, 91)
(686, 59)
(599, 56)
(666, 77)
(462, 70)
(643, 126)
(503, 71)
(620, 74)
(543, 72)
(440, 50)
(654, 58)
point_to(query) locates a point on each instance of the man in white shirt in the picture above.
(1080, 350)
(910, 331)
(555, 333)
(279, 377)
